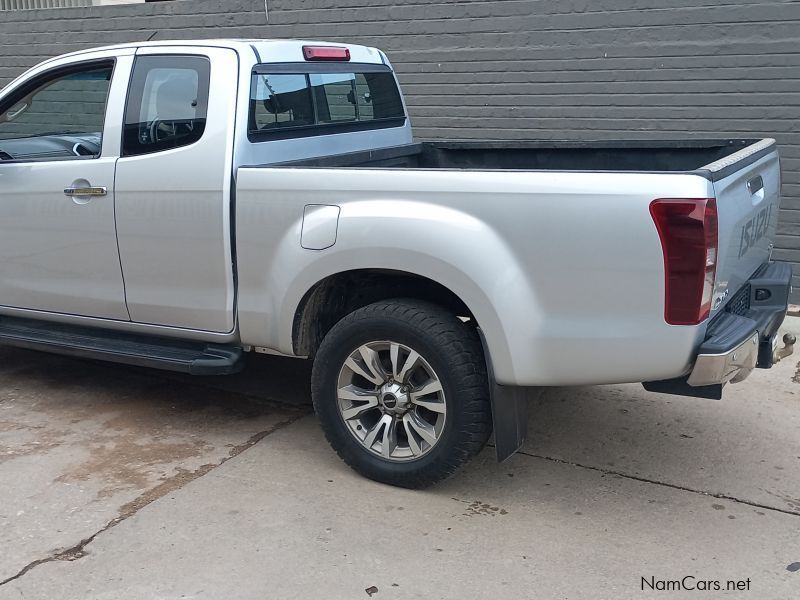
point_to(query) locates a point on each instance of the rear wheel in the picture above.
(401, 391)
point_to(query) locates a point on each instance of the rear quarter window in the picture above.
(319, 103)
(167, 104)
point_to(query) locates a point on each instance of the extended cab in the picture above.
(180, 204)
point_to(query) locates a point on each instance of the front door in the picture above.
(58, 246)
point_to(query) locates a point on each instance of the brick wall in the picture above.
(511, 69)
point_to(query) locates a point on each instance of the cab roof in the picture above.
(263, 51)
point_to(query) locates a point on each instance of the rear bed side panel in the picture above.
(748, 202)
(563, 271)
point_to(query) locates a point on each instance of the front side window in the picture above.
(167, 104)
(58, 115)
(323, 102)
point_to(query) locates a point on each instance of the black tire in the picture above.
(451, 347)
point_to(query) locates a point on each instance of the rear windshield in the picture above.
(287, 104)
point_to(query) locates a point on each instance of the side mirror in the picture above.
(16, 111)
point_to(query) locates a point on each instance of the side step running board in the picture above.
(197, 358)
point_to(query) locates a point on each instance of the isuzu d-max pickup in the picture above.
(180, 204)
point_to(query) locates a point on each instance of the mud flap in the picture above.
(510, 416)
(509, 410)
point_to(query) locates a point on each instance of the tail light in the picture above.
(688, 232)
(325, 53)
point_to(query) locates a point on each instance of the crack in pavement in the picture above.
(172, 484)
(673, 486)
(183, 478)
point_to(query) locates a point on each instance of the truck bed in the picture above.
(634, 156)
(560, 234)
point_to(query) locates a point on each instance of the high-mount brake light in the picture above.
(325, 53)
(689, 239)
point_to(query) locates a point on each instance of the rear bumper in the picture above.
(740, 338)
(733, 365)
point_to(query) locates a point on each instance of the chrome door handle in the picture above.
(86, 191)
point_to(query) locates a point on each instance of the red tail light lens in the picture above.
(325, 53)
(688, 232)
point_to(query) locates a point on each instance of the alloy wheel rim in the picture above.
(391, 400)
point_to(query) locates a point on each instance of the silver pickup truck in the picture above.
(180, 204)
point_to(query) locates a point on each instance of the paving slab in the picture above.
(287, 520)
(746, 445)
(83, 444)
(125, 483)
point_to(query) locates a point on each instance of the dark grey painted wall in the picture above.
(512, 69)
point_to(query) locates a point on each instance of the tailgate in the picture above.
(747, 188)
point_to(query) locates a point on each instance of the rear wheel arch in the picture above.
(334, 297)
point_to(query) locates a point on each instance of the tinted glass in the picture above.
(167, 105)
(62, 110)
(364, 98)
(324, 100)
(280, 101)
(335, 96)
(382, 95)
(356, 97)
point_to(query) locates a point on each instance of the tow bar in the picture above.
(779, 353)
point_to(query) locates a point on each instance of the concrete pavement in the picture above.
(84, 444)
(122, 483)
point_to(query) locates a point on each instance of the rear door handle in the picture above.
(86, 191)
